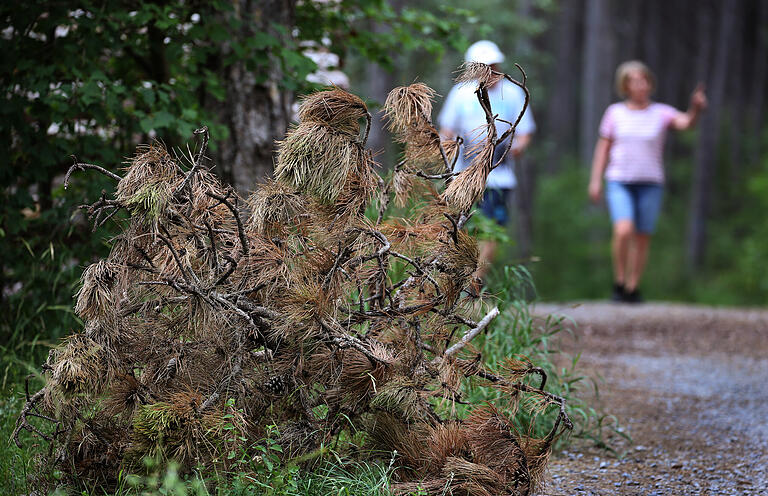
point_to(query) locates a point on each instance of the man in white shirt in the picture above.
(463, 116)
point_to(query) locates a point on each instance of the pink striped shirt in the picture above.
(637, 141)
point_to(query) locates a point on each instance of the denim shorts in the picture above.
(495, 204)
(638, 202)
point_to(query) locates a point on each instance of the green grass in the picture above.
(15, 463)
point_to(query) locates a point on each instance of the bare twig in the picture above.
(214, 254)
(419, 268)
(185, 271)
(236, 215)
(431, 128)
(455, 230)
(28, 410)
(341, 255)
(83, 166)
(198, 159)
(446, 175)
(343, 340)
(97, 208)
(383, 197)
(223, 385)
(230, 270)
(367, 127)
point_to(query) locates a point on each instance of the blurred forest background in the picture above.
(95, 79)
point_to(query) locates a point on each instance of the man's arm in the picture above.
(520, 144)
(447, 133)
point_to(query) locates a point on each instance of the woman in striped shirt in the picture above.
(629, 154)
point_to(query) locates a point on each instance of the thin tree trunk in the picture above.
(701, 197)
(651, 35)
(598, 62)
(525, 172)
(562, 108)
(737, 93)
(630, 25)
(759, 82)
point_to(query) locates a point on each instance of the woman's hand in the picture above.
(699, 98)
(688, 119)
(595, 190)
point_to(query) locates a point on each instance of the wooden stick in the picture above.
(470, 334)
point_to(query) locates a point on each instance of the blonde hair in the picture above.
(622, 74)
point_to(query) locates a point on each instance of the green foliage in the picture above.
(94, 79)
(751, 264)
(484, 228)
(84, 79)
(406, 30)
(149, 200)
(502, 21)
(571, 239)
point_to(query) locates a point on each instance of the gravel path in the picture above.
(689, 384)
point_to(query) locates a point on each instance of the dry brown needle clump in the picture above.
(214, 318)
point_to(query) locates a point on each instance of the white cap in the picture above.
(484, 51)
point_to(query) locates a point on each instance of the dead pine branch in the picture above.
(470, 334)
(212, 312)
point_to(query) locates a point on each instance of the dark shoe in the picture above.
(633, 296)
(618, 292)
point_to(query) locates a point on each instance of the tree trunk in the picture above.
(759, 83)
(256, 113)
(651, 43)
(701, 196)
(562, 109)
(526, 178)
(737, 93)
(598, 69)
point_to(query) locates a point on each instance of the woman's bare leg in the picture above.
(623, 233)
(636, 263)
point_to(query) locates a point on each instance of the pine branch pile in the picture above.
(214, 317)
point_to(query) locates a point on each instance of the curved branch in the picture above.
(511, 131)
(83, 166)
(562, 415)
(28, 410)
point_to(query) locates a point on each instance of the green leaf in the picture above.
(163, 119)
(146, 124)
